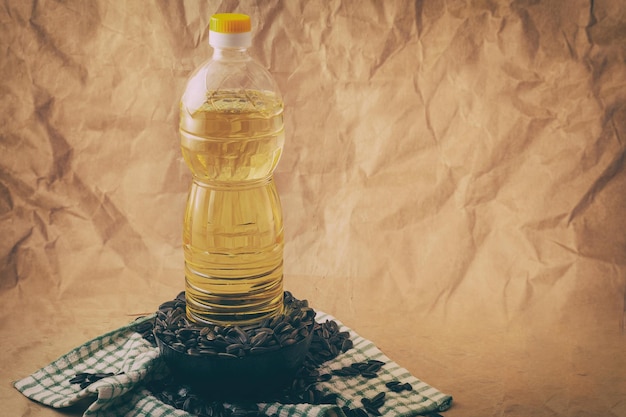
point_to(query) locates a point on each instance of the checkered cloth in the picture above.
(132, 359)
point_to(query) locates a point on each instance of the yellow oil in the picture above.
(233, 229)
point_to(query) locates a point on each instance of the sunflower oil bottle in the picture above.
(232, 136)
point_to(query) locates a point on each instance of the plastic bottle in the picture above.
(232, 136)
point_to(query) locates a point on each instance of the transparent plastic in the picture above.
(232, 136)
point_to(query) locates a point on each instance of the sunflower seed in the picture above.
(373, 410)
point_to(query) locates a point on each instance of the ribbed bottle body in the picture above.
(233, 229)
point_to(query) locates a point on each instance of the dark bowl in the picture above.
(249, 377)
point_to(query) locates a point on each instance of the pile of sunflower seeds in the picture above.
(171, 325)
(303, 388)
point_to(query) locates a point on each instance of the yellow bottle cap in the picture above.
(230, 23)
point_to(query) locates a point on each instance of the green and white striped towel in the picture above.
(131, 358)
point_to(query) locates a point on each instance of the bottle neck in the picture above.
(231, 54)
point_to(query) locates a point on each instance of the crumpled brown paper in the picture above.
(453, 183)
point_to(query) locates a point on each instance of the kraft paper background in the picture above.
(453, 183)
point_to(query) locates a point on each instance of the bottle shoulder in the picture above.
(220, 75)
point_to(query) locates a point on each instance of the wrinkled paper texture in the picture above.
(453, 183)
